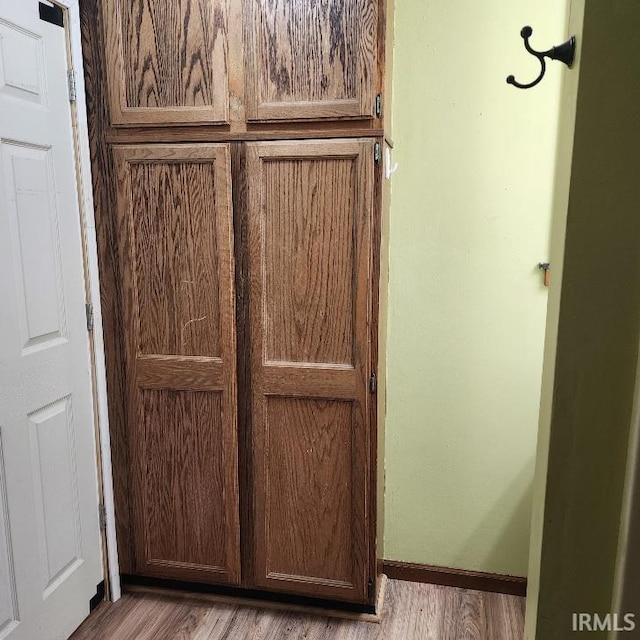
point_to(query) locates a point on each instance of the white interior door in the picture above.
(50, 549)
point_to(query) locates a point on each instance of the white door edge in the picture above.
(83, 162)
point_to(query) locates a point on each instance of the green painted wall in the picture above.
(470, 219)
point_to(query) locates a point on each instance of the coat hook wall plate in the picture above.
(565, 52)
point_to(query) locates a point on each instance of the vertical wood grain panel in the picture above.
(309, 453)
(167, 61)
(176, 246)
(184, 478)
(309, 244)
(175, 228)
(310, 59)
(309, 211)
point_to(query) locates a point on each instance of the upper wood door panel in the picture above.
(309, 220)
(310, 59)
(176, 246)
(167, 61)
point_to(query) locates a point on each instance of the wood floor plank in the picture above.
(468, 617)
(504, 616)
(412, 611)
(218, 622)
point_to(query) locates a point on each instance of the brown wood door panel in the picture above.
(176, 248)
(310, 59)
(309, 209)
(167, 61)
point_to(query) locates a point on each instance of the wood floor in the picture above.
(411, 612)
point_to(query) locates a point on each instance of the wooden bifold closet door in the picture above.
(177, 264)
(309, 217)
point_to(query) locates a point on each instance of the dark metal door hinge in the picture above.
(71, 84)
(379, 106)
(377, 152)
(373, 383)
(88, 309)
(102, 511)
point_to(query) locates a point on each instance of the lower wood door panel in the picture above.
(177, 266)
(309, 210)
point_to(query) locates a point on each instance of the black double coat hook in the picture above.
(565, 52)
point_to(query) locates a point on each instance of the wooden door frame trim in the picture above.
(461, 578)
(96, 338)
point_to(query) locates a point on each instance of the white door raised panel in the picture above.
(50, 549)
